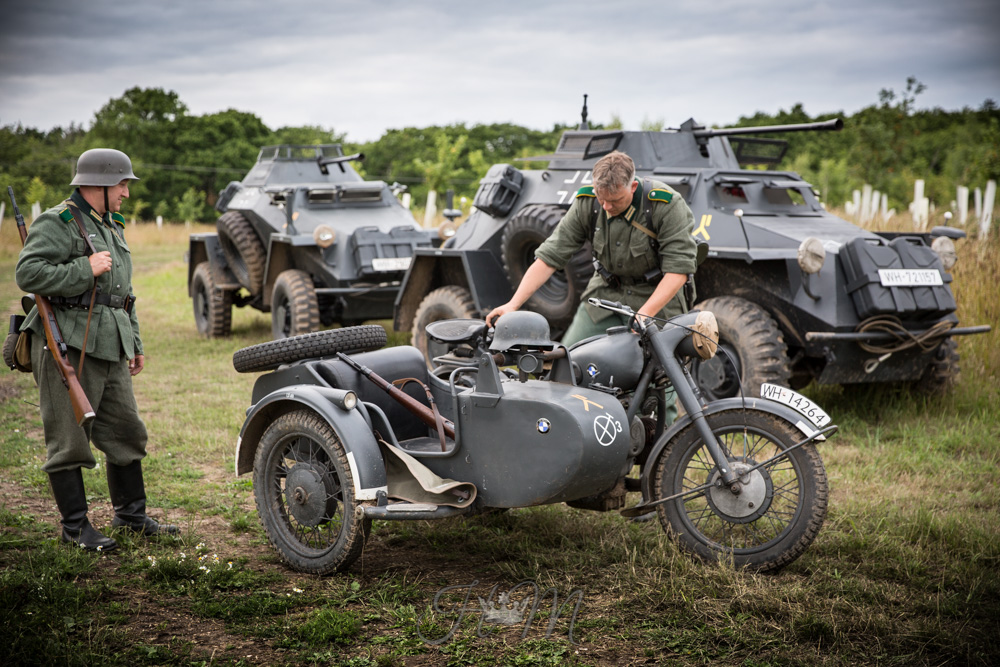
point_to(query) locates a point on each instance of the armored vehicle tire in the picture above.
(445, 303)
(942, 372)
(558, 298)
(294, 306)
(213, 308)
(304, 490)
(779, 511)
(752, 338)
(316, 345)
(244, 250)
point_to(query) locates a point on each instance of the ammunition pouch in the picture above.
(651, 277)
(83, 301)
(17, 346)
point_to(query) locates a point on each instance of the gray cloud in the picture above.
(362, 68)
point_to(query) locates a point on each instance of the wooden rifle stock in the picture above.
(82, 409)
(425, 413)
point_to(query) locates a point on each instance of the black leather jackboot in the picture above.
(128, 495)
(71, 498)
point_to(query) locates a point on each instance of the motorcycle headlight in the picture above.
(811, 255)
(324, 236)
(945, 249)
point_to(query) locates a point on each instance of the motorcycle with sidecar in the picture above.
(342, 431)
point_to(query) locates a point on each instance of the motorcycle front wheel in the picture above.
(779, 510)
(305, 494)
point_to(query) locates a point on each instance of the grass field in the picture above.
(906, 570)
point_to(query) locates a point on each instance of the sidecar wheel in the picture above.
(315, 345)
(305, 495)
(755, 343)
(779, 511)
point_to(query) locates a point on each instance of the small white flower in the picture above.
(230, 565)
(297, 590)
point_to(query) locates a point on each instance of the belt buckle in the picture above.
(115, 301)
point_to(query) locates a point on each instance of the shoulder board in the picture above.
(66, 215)
(586, 191)
(119, 218)
(661, 195)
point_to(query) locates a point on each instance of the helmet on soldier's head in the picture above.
(103, 167)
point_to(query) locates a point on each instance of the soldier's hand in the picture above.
(497, 312)
(136, 364)
(100, 262)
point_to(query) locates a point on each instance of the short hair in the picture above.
(614, 171)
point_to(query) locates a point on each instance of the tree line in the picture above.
(184, 160)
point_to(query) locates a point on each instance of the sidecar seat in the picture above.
(392, 363)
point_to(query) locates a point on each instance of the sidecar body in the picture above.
(518, 443)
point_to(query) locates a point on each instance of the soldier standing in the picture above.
(55, 263)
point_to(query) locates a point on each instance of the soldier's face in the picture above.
(116, 193)
(614, 202)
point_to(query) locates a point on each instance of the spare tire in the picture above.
(244, 250)
(559, 297)
(316, 345)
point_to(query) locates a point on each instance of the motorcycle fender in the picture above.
(761, 404)
(363, 455)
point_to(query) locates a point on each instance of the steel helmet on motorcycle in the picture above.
(521, 329)
(103, 167)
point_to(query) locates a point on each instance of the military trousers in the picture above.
(117, 430)
(583, 327)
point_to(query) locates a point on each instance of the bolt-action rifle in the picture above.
(82, 409)
(429, 416)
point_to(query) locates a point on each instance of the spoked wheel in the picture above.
(305, 495)
(779, 510)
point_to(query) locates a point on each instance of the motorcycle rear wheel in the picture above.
(779, 511)
(304, 491)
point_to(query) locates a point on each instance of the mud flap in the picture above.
(410, 480)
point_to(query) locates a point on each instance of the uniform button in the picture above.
(618, 243)
(118, 286)
(628, 291)
(619, 265)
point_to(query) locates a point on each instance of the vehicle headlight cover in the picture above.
(945, 249)
(324, 236)
(811, 255)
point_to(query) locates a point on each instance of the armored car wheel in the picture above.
(213, 308)
(243, 249)
(294, 305)
(756, 350)
(304, 491)
(779, 510)
(316, 345)
(444, 303)
(558, 298)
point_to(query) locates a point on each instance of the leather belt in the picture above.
(83, 301)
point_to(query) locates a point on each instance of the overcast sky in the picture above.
(365, 67)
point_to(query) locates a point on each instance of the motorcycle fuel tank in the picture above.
(614, 360)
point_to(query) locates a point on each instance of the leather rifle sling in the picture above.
(438, 420)
(93, 290)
